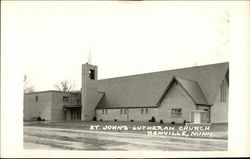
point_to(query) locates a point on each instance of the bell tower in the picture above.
(88, 91)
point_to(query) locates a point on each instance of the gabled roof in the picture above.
(145, 90)
(191, 88)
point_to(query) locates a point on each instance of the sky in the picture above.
(53, 39)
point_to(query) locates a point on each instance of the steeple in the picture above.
(89, 56)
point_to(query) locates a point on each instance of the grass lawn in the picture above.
(219, 130)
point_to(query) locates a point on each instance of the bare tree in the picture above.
(27, 88)
(65, 86)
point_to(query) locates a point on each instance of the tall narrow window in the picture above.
(106, 111)
(146, 110)
(120, 111)
(36, 98)
(103, 111)
(223, 91)
(176, 113)
(142, 110)
(125, 111)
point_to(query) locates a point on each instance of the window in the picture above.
(205, 110)
(146, 110)
(36, 98)
(65, 98)
(92, 74)
(123, 111)
(176, 113)
(104, 111)
(223, 91)
(142, 110)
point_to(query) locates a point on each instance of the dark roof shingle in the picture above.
(145, 90)
(194, 91)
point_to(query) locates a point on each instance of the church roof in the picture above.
(192, 89)
(202, 84)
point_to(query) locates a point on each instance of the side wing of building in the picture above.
(52, 105)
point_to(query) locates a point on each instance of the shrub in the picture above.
(100, 119)
(39, 118)
(152, 119)
(161, 121)
(184, 122)
(115, 119)
(94, 119)
(132, 120)
(173, 122)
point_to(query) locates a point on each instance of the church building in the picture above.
(168, 96)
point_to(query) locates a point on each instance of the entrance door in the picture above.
(64, 115)
(75, 114)
(196, 117)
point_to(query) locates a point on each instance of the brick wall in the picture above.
(139, 115)
(57, 104)
(41, 107)
(111, 115)
(175, 98)
(219, 111)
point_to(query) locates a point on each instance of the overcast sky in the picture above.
(53, 39)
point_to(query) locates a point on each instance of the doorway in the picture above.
(196, 117)
(75, 114)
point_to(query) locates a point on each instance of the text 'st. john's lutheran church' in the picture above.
(195, 94)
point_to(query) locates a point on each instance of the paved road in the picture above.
(54, 138)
